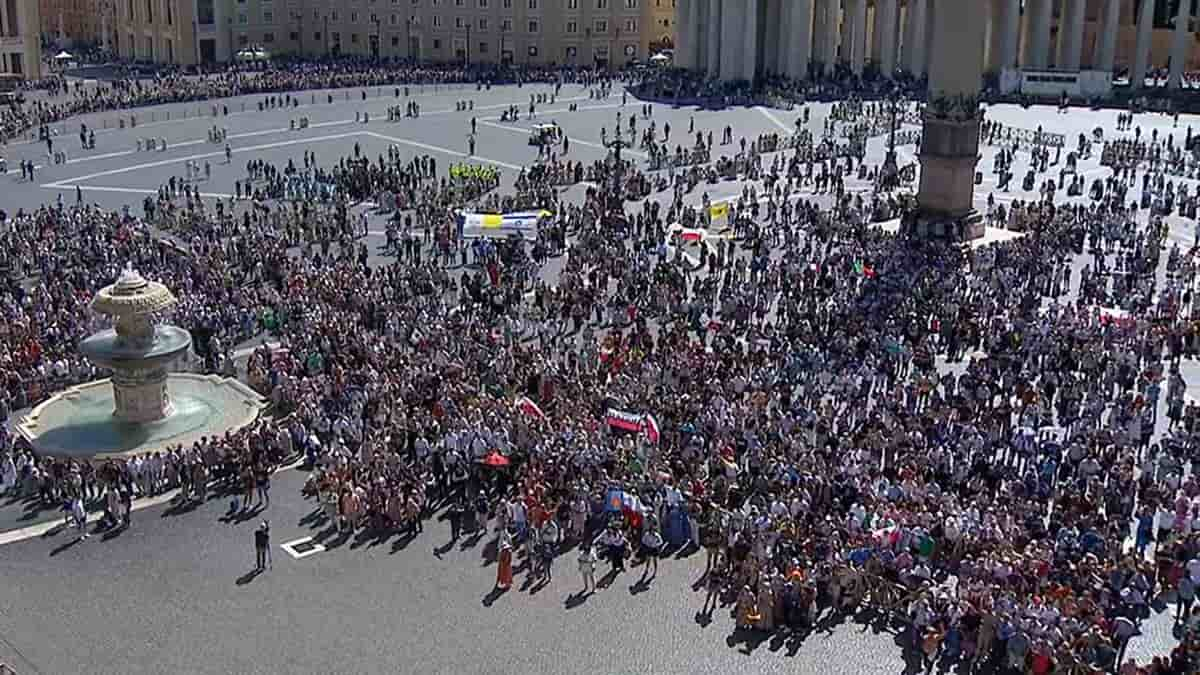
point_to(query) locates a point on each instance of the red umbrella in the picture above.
(494, 459)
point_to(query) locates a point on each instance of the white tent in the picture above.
(64, 56)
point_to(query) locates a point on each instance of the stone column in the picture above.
(1070, 35)
(843, 23)
(834, 17)
(1106, 41)
(771, 33)
(1141, 53)
(914, 45)
(683, 35)
(1037, 39)
(950, 137)
(1011, 34)
(696, 34)
(799, 40)
(782, 48)
(750, 26)
(1179, 44)
(221, 23)
(713, 45)
(859, 31)
(930, 35)
(733, 22)
(887, 11)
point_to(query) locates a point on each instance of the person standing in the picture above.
(79, 515)
(587, 568)
(652, 543)
(262, 546)
(504, 573)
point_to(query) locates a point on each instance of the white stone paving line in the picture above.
(775, 120)
(261, 132)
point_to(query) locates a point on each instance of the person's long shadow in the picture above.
(248, 577)
(64, 546)
(493, 595)
(749, 639)
(576, 599)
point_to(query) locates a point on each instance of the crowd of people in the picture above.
(835, 416)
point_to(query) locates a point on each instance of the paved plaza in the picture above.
(173, 594)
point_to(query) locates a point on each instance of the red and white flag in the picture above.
(650, 427)
(527, 406)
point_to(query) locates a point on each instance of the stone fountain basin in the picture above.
(109, 350)
(78, 422)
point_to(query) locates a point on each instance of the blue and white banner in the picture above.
(525, 224)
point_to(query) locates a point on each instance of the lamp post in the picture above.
(326, 36)
(300, 29)
(890, 171)
(408, 39)
(614, 196)
(378, 38)
(468, 52)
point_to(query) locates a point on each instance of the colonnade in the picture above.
(739, 39)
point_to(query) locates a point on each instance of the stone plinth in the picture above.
(949, 153)
(141, 395)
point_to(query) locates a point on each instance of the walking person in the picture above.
(262, 546)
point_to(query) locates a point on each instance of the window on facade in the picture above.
(268, 16)
(483, 4)
(268, 37)
(571, 52)
(483, 24)
(483, 47)
(294, 36)
(507, 4)
(353, 17)
(437, 21)
(630, 25)
(395, 40)
(459, 23)
(533, 4)
(601, 4)
(354, 38)
(333, 17)
(243, 39)
(395, 19)
(631, 4)
(242, 18)
(437, 44)
(600, 27)
(317, 36)
(374, 18)
(506, 25)
(572, 27)
(572, 4)
(336, 37)
(533, 26)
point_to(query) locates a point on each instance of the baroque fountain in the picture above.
(142, 406)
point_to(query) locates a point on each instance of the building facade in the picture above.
(20, 43)
(515, 31)
(71, 23)
(737, 39)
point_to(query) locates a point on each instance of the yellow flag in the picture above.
(719, 215)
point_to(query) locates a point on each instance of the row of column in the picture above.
(736, 39)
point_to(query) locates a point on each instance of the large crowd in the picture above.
(837, 417)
